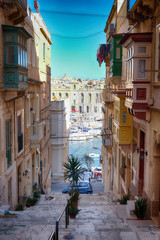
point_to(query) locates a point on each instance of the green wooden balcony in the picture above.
(15, 57)
(115, 55)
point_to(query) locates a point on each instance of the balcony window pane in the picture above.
(10, 55)
(25, 58)
(118, 53)
(124, 117)
(142, 49)
(43, 51)
(19, 56)
(141, 68)
(9, 37)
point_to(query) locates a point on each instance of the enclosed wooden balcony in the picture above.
(107, 96)
(107, 137)
(138, 77)
(15, 10)
(115, 70)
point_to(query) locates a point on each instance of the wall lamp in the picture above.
(26, 172)
(137, 149)
(146, 153)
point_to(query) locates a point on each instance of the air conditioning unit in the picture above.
(111, 28)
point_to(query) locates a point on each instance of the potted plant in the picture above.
(31, 201)
(73, 170)
(140, 208)
(73, 211)
(75, 198)
(35, 192)
(124, 199)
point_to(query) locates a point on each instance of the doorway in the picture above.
(19, 182)
(141, 163)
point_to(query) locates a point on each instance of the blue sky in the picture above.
(77, 56)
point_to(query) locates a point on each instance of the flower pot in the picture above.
(140, 218)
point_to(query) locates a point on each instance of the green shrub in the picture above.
(31, 201)
(35, 192)
(140, 207)
(73, 211)
(124, 199)
(19, 207)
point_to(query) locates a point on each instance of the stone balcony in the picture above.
(37, 133)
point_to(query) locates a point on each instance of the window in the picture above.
(28, 111)
(66, 94)
(124, 117)
(110, 122)
(10, 37)
(82, 97)
(87, 109)
(8, 142)
(60, 95)
(74, 86)
(95, 109)
(22, 51)
(37, 159)
(33, 53)
(141, 68)
(80, 109)
(44, 131)
(142, 49)
(43, 51)
(118, 53)
(44, 90)
(89, 97)
(53, 94)
(10, 52)
(74, 102)
(97, 98)
(19, 133)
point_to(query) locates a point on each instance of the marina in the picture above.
(92, 146)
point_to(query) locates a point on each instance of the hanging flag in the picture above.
(36, 5)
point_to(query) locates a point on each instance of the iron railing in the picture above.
(55, 234)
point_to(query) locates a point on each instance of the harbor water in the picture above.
(80, 148)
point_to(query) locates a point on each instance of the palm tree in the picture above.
(73, 170)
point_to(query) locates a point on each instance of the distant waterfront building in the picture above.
(84, 95)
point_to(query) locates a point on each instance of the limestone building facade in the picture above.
(131, 160)
(24, 122)
(85, 96)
